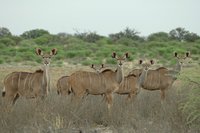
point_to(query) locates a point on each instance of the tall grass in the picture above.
(144, 113)
(190, 106)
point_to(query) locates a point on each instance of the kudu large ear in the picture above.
(53, 51)
(38, 51)
(126, 55)
(187, 54)
(140, 61)
(113, 55)
(102, 66)
(152, 62)
(92, 66)
(175, 54)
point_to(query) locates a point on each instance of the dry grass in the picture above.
(144, 114)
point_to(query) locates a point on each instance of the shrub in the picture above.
(43, 40)
(88, 36)
(7, 41)
(32, 34)
(1, 61)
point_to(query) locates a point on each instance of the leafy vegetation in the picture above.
(89, 47)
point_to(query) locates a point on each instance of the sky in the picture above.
(101, 16)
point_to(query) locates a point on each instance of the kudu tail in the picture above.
(3, 92)
(58, 87)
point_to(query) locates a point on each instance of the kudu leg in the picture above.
(130, 96)
(15, 98)
(77, 97)
(8, 102)
(10, 98)
(109, 98)
(162, 95)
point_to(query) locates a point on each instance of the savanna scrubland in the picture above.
(180, 111)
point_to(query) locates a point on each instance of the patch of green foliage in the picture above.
(86, 48)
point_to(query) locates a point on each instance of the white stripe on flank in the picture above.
(25, 80)
(4, 89)
(12, 80)
(19, 80)
(31, 81)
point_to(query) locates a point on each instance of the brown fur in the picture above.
(128, 86)
(24, 84)
(136, 72)
(157, 80)
(83, 83)
(39, 71)
(97, 83)
(63, 86)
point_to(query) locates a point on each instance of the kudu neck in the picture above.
(142, 77)
(45, 68)
(119, 75)
(178, 67)
(46, 78)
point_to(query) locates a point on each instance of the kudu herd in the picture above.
(103, 81)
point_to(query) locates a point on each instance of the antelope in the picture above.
(63, 86)
(128, 86)
(98, 70)
(27, 84)
(103, 83)
(161, 78)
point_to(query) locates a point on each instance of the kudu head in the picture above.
(182, 58)
(46, 57)
(146, 64)
(97, 69)
(120, 60)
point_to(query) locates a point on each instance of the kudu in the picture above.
(128, 86)
(63, 87)
(160, 78)
(98, 69)
(103, 83)
(27, 84)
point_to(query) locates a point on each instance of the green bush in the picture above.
(110, 61)
(7, 41)
(70, 54)
(89, 62)
(43, 40)
(1, 61)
